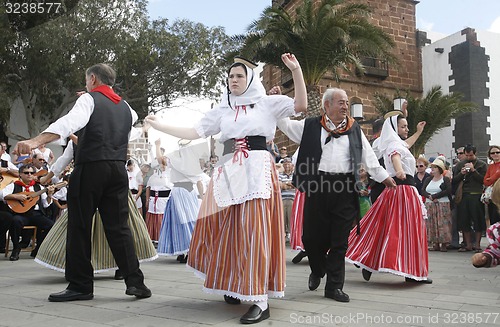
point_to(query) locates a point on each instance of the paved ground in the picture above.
(460, 296)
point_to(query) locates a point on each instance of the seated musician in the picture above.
(16, 196)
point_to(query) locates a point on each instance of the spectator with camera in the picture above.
(470, 209)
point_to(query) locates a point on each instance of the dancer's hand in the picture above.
(389, 182)
(153, 121)
(290, 61)
(275, 90)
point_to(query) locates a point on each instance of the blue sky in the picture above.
(439, 17)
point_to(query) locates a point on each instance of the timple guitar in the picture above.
(22, 206)
(6, 179)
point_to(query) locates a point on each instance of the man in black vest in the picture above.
(332, 149)
(99, 181)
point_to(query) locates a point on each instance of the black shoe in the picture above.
(314, 282)
(337, 294)
(411, 280)
(69, 295)
(366, 274)
(231, 300)
(34, 253)
(118, 275)
(14, 256)
(254, 315)
(141, 292)
(24, 244)
(184, 259)
(298, 258)
(179, 257)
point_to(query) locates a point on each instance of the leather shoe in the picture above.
(366, 274)
(411, 280)
(69, 295)
(141, 292)
(298, 258)
(254, 315)
(231, 300)
(314, 282)
(337, 294)
(118, 275)
(14, 256)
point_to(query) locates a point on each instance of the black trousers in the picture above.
(36, 218)
(99, 185)
(7, 223)
(329, 212)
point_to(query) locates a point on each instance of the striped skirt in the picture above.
(296, 223)
(52, 252)
(153, 225)
(393, 236)
(240, 250)
(178, 222)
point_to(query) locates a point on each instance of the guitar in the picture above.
(23, 206)
(6, 179)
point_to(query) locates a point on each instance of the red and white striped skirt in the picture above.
(296, 223)
(393, 235)
(240, 250)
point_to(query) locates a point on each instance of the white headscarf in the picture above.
(389, 137)
(254, 92)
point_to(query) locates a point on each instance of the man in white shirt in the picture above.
(332, 148)
(99, 181)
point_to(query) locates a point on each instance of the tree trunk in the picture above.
(313, 101)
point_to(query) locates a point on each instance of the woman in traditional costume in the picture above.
(393, 234)
(238, 246)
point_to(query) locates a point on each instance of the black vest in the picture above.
(306, 168)
(36, 187)
(105, 137)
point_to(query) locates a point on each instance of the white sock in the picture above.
(262, 305)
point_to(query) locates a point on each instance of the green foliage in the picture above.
(436, 109)
(156, 61)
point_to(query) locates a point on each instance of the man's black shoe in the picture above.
(337, 294)
(298, 258)
(14, 256)
(314, 282)
(411, 280)
(118, 275)
(231, 300)
(141, 292)
(366, 274)
(34, 253)
(69, 295)
(254, 315)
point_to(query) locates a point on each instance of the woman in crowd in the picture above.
(421, 175)
(135, 183)
(491, 177)
(437, 192)
(393, 237)
(238, 245)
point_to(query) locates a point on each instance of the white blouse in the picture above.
(244, 175)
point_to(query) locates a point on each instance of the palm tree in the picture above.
(325, 37)
(435, 109)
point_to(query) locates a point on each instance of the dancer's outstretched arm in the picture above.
(188, 133)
